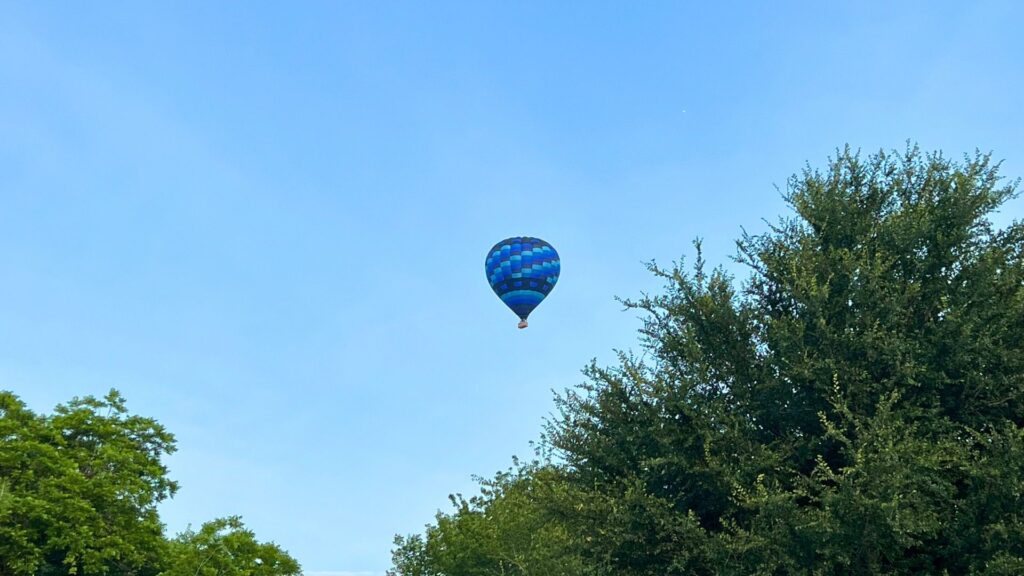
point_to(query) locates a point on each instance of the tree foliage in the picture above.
(506, 530)
(854, 406)
(79, 490)
(224, 547)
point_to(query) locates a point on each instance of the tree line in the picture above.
(853, 405)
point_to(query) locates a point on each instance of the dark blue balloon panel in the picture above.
(522, 271)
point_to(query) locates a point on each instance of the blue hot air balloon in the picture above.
(522, 271)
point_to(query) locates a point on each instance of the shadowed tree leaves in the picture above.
(841, 413)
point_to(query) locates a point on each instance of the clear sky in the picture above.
(266, 223)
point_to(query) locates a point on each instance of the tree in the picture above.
(855, 407)
(79, 488)
(224, 547)
(504, 531)
(78, 495)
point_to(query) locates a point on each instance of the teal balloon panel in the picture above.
(522, 271)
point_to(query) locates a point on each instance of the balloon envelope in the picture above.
(522, 271)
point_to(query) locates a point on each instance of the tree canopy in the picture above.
(78, 495)
(854, 405)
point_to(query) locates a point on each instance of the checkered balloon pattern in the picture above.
(522, 271)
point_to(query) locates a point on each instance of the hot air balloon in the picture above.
(522, 271)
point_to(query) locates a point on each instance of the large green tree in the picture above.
(854, 404)
(854, 407)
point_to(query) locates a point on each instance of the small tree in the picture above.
(507, 530)
(224, 547)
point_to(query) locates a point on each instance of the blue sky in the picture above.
(266, 224)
